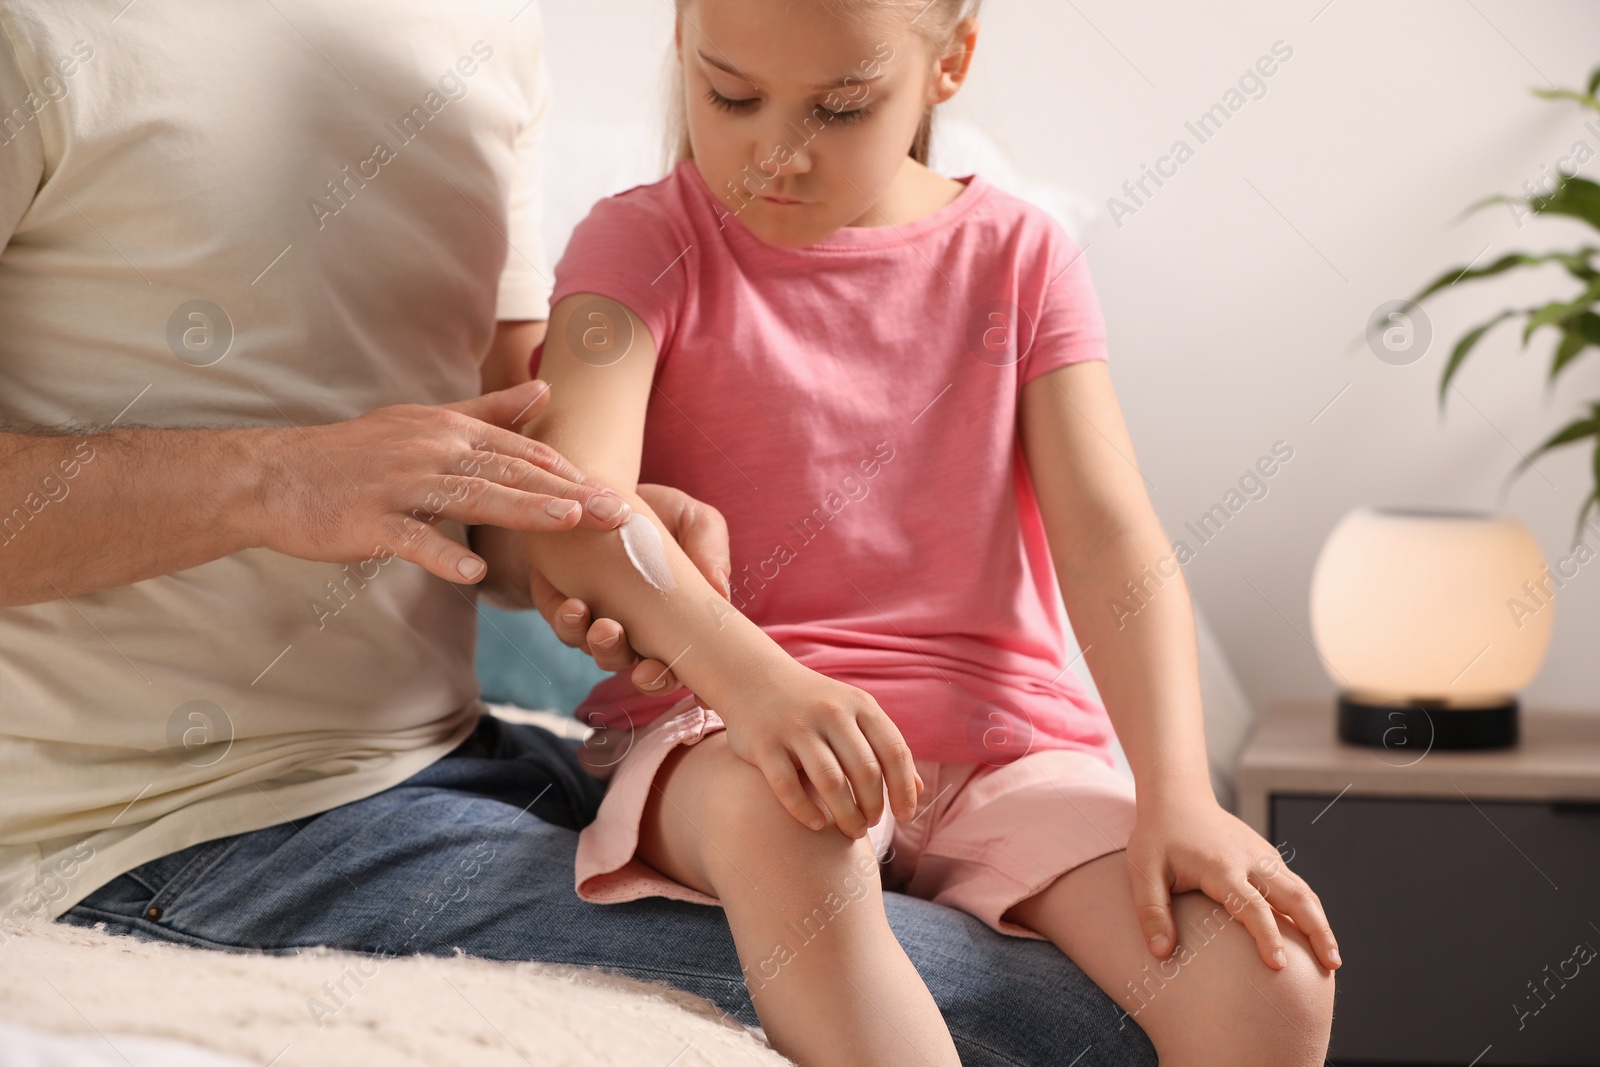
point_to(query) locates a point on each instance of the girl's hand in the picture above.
(836, 734)
(1184, 841)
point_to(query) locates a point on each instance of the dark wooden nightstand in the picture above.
(1464, 887)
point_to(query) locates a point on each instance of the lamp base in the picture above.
(1427, 724)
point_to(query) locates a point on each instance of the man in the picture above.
(257, 264)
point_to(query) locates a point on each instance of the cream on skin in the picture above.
(647, 552)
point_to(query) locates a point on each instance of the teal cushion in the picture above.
(521, 662)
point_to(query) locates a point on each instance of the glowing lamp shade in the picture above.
(1430, 622)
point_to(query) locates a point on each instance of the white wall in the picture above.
(1237, 295)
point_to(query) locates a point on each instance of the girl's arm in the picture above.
(782, 717)
(513, 584)
(1103, 533)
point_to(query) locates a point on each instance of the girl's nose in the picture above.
(785, 155)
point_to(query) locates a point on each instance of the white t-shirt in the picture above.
(231, 215)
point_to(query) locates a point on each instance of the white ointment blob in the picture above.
(647, 552)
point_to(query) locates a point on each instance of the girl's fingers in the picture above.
(1152, 899)
(894, 757)
(1288, 893)
(1241, 898)
(781, 775)
(831, 783)
(861, 767)
(699, 529)
(571, 621)
(608, 644)
(703, 534)
(567, 617)
(653, 676)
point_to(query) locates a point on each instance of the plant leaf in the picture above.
(1577, 197)
(1554, 313)
(1479, 205)
(1589, 502)
(1464, 346)
(1558, 312)
(1577, 333)
(1593, 498)
(1575, 430)
(1577, 264)
(1586, 99)
(1594, 81)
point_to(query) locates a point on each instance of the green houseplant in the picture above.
(1574, 317)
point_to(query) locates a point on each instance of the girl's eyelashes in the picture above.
(723, 103)
(847, 117)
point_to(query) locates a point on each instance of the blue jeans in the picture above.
(476, 852)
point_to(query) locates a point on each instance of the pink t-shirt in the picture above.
(852, 408)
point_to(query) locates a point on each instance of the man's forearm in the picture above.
(85, 513)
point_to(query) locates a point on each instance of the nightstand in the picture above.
(1464, 887)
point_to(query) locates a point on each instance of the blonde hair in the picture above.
(936, 25)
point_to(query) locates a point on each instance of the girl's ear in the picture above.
(951, 70)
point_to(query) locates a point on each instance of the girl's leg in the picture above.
(828, 979)
(1212, 1001)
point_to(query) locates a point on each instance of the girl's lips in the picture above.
(783, 200)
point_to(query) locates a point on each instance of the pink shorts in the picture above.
(984, 838)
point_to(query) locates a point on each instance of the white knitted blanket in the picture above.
(117, 994)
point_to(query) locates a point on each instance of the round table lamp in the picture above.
(1430, 622)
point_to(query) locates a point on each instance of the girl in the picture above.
(893, 384)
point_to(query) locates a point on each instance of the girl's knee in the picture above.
(1300, 996)
(1283, 1016)
(750, 835)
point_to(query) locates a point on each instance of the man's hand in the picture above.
(376, 484)
(703, 534)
